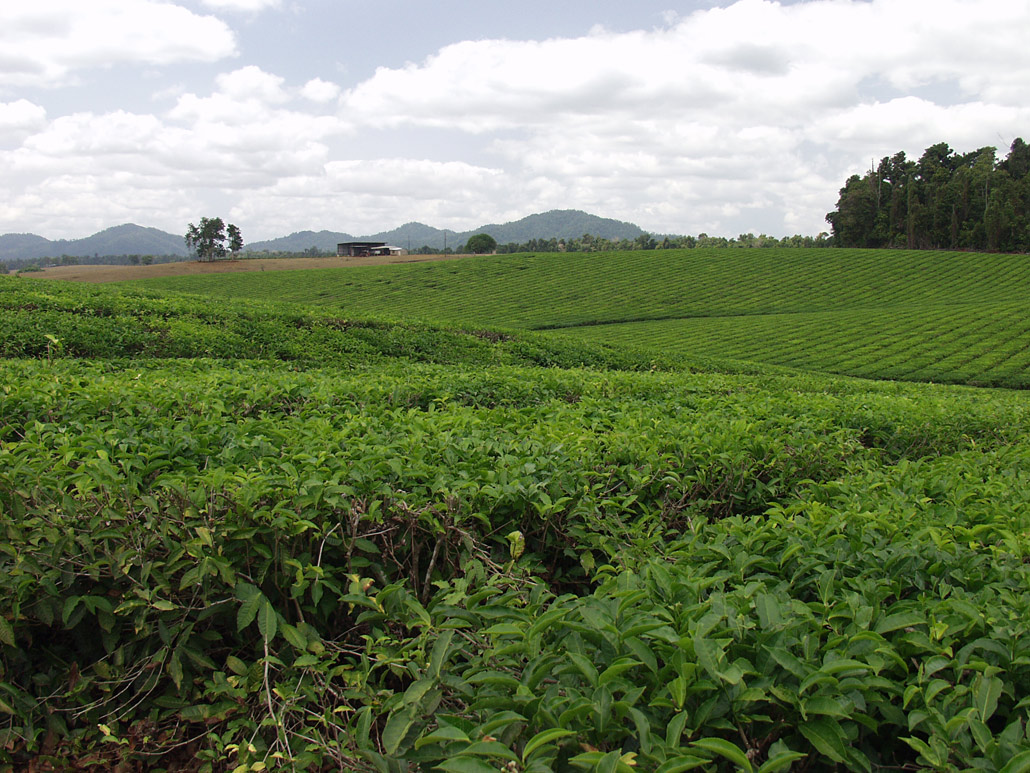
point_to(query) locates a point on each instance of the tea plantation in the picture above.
(249, 536)
(951, 317)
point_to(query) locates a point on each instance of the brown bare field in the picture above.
(103, 274)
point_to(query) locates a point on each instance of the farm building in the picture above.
(366, 249)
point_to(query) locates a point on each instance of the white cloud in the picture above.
(913, 124)
(735, 118)
(209, 150)
(363, 197)
(318, 90)
(43, 43)
(726, 110)
(251, 82)
(753, 58)
(20, 119)
(242, 5)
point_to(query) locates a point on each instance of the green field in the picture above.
(256, 536)
(930, 316)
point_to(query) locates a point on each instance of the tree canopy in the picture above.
(945, 200)
(480, 244)
(213, 238)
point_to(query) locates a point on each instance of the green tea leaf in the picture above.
(397, 726)
(466, 764)
(248, 610)
(615, 669)
(724, 748)
(681, 763)
(294, 636)
(439, 653)
(445, 733)
(781, 761)
(826, 735)
(585, 667)
(899, 620)
(831, 707)
(268, 620)
(986, 691)
(1018, 764)
(542, 738)
(6, 632)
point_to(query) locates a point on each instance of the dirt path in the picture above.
(102, 274)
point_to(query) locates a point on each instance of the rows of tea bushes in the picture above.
(393, 566)
(62, 319)
(979, 344)
(901, 314)
(552, 290)
(432, 553)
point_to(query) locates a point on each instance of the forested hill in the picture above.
(561, 224)
(555, 224)
(127, 239)
(946, 200)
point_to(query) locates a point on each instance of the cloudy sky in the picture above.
(360, 115)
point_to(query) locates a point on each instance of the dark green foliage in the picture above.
(943, 201)
(392, 565)
(480, 244)
(706, 566)
(213, 239)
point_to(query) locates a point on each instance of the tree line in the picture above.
(645, 241)
(8, 265)
(945, 200)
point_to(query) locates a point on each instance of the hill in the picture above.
(135, 240)
(125, 239)
(556, 224)
(300, 241)
(843, 311)
(21, 246)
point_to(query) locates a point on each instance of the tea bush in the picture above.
(405, 559)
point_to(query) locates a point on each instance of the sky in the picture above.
(361, 115)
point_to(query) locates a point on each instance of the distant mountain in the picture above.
(132, 239)
(23, 246)
(556, 224)
(300, 241)
(415, 235)
(125, 239)
(559, 224)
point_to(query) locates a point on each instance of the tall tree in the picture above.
(855, 217)
(945, 200)
(235, 238)
(480, 244)
(208, 240)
